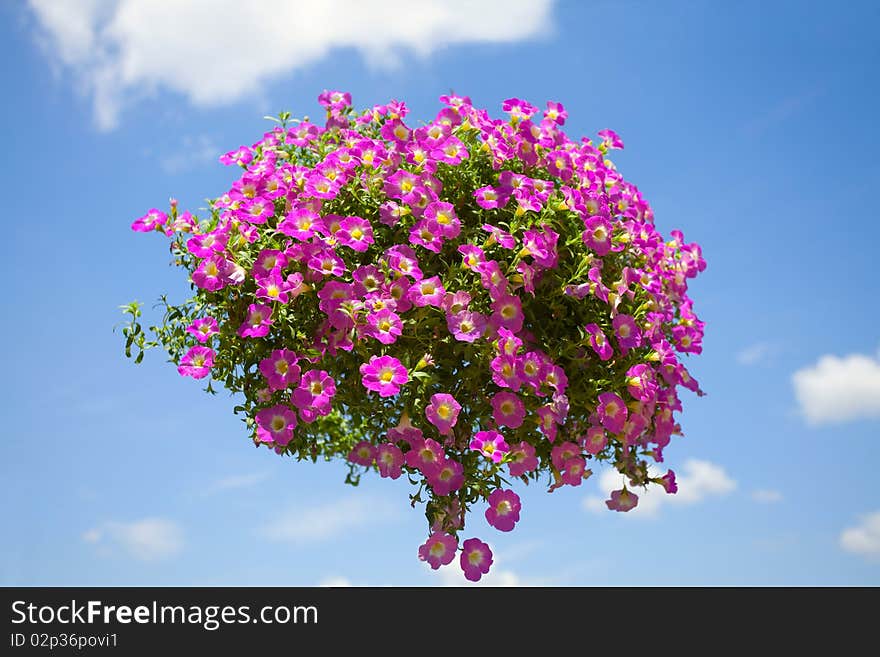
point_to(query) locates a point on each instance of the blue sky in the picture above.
(751, 126)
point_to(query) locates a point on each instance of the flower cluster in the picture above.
(469, 302)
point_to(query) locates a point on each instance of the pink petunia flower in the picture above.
(627, 331)
(211, 273)
(203, 328)
(427, 292)
(476, 559)
(257, 322)
(508, 312)
(612, 412)
(504, 508)
(280, 369)
(363, 453)
(466, 326)
(622, 500)
(439, 549)
(599, 342)
(275, 425)
(597, 234)
(389, 460)
(508, 410)
(384, 374)
(197, 362)
(522, 459)
(356, 233)
(426, 455)
(385, 326)
(447, 478)
(596, 440)
(315, 392)
(442, 412)
(273, 287)
(490, 444)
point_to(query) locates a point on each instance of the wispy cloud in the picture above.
(323, 522)
(864, 538)
(191, 153)
(754, 354)
(697, 480)
(216, 52)
(767, 496)
(148, 539)
(335, 582)
(839, 389)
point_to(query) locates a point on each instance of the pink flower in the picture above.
(504, 508)
(522, 459)
(315, 392)
(476, 559)
(197, 362)
(612, 412)
(439, 549)
(385, 326)
(599, 342)
(446, 478)
(597, 234)
(389, 460)
(562, 452)
(508, 410)
(275, 425)
(384, 374)
(668, 482)
(426, 455)
(508, 312)
(573, 471)
(443, 214)
(203, 328)
(257, 323)
(466, 326)
(300, 223)
(622, 500)
(427, 292)
(356, 233)
(490, 444)
(273, 287)
(640, 383)
(362, 453)
(280, 369)
(504, 372)
(442, 412)
(595, 440)
(150, 221)
(267, 261)
(211, 273)
(427, 234)
(627, 331)
(490, 198)
(204, 246)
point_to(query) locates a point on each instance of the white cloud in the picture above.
(753, 354)
(221, 51)
(335, 582)
(863, 539)
(767, 496)
(323, 522)
(838, 389)
(452, 575)
(148, 539)
(696, 481)
(190, 153)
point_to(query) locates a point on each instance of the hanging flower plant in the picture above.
(470, 303)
